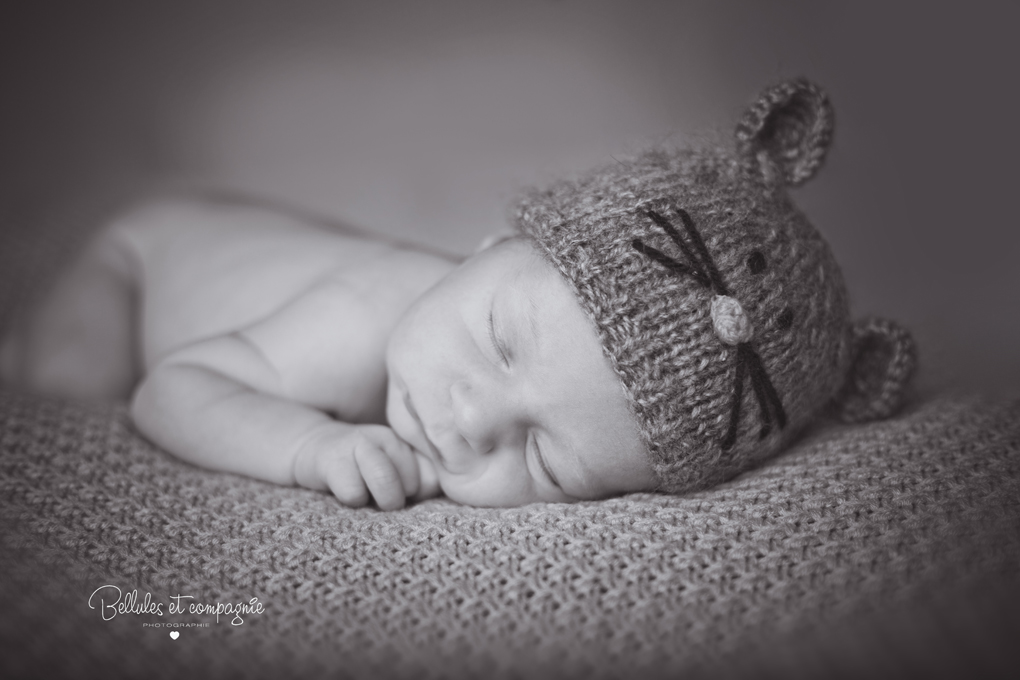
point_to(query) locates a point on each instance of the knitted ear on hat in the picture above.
(883, 359)
(789, 130)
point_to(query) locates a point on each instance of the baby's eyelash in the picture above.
(495, 341)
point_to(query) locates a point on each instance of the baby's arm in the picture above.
(220, 404)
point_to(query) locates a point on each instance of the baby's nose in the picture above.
(483, 415)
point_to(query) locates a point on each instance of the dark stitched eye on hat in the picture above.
(785, 319)
(728, 316)
(756, 262)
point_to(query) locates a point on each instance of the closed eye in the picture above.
(496, 344)
(542, 464)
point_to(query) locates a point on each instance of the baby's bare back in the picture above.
(174, 276)
(203, 270)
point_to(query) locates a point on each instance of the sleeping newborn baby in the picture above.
(660, 324)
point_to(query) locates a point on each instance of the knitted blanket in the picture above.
(867, 550)
(851, 523)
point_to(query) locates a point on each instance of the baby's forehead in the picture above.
(530, 275)
(514, 259)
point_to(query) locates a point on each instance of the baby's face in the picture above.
(497, 376)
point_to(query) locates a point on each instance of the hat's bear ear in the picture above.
(788, 128)
(883, 357)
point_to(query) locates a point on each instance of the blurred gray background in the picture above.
(423, 119)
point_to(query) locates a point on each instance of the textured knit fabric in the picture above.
(849, 555)
(721, 308)
(849, 521)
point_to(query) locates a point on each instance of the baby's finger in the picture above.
(344, 480)
(428, 485)
(406, 462)
(380, 476)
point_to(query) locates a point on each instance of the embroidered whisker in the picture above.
(669, 262)
(707, 261)
(763, 406)
(738, 397)
(681, 243)
(770, 398)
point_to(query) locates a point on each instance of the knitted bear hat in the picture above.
(720, 307)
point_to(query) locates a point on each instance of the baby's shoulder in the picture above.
(234, 231)
(183, 245)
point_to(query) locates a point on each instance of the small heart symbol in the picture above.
(174, 634)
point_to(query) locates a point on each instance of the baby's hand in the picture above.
(354, 461)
